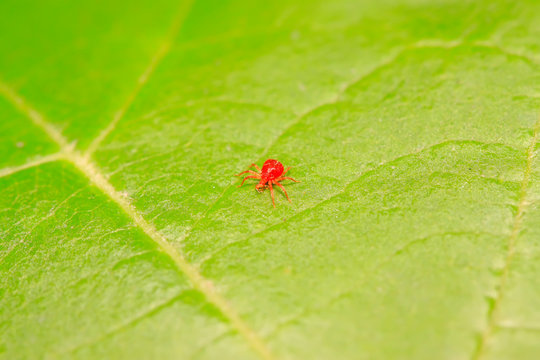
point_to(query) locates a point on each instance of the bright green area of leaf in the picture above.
(413, 126)
(20, 143)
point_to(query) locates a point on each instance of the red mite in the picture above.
(272, 173)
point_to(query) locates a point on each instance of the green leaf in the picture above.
(413, 126)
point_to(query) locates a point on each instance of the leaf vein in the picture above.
(39, 161)
(86, 167)
(299, 117)
(51, 213)
(493, 311)
(342, 191)
(145, 76)
(125, 325)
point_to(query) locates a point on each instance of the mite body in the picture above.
(271, 174)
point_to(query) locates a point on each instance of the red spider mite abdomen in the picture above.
(272, 169)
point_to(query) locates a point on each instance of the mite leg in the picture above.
(249, 177)
(261, 188)
(287, 169)
(247, 171)
(282, 188)
(286, 178)
(256, 167)
(272, 192)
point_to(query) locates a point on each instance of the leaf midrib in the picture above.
(88, 168)
(84, 164)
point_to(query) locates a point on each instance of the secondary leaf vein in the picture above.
(143, 79)
(343, 190)
(493, 312)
